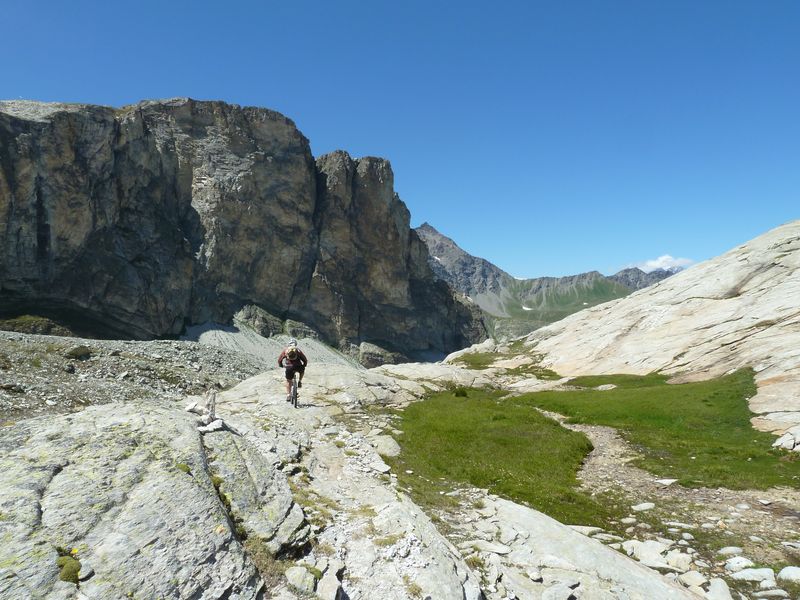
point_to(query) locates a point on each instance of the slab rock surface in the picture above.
(127, 491)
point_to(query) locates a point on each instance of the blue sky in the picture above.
(548, 137)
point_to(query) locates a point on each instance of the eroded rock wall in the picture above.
(143, 219)
(372, 270)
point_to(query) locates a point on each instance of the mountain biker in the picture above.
(294, 361)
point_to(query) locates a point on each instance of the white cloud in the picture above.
(663, 262)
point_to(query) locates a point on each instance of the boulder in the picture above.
(301, 579)
(757, 575)
(718, 590)
(385, 445)
(790, 574)
(692, 579)
(738, 563)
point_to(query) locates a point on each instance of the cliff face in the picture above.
(371, 269)
(141, 220)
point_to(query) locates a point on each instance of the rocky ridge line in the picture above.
(518, 306)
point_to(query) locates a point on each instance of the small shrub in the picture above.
(68, 564)
(314, 571)
(413, 589)
(270, 567)
(389, 540)
(184, 467)
(475, 562)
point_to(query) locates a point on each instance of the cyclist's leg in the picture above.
(289, 374)
(301, 370)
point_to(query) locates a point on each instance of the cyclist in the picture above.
(294, 361)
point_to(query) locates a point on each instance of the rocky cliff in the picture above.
(138, 221)
(518, 306)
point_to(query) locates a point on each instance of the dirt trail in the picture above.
(772, 515)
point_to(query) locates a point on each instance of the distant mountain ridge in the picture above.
(518, 306)
(636, 279)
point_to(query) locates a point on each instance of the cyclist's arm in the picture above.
(281, 357)
(303, 359)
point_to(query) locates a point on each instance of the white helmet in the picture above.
(292, 342)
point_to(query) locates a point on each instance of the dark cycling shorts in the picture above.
(292, 369)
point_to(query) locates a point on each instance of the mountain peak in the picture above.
(516, 305)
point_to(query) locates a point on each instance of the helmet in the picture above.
(292, 342)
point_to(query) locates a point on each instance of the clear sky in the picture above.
(548, 137)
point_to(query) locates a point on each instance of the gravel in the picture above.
(49, 374)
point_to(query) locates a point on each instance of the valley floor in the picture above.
(334, 512)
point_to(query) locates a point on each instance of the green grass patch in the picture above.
(621, 381)
(535, 371)
(486, 441)
(699, 433)
(478, 360)
(484, 360)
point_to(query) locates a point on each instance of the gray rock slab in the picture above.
(756, 575)
(301, 579)
(258, 493)
(587, 556)
(385, 445)
(692, 579)
(738, 563)
(718, 590)
(127, 486)
(329, 587)
(790, 574)
(776, 593)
